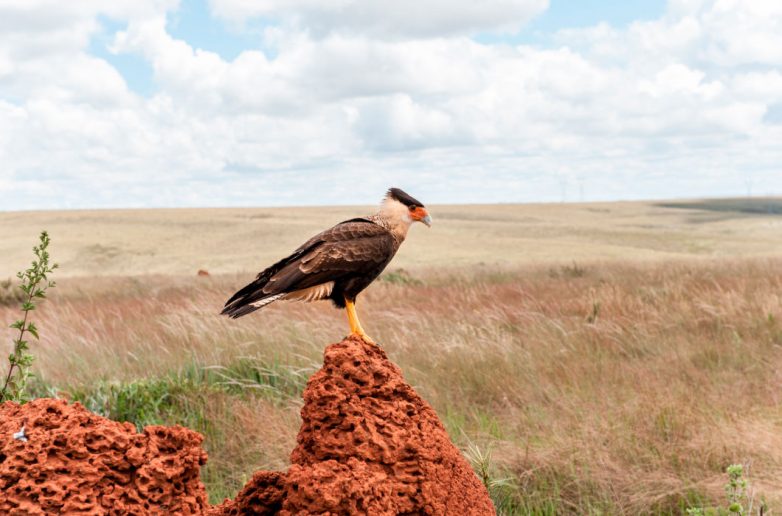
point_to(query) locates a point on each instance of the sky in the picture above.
(190, 103)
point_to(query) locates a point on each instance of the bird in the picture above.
(336, 264)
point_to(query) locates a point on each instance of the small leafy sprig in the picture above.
(736, 488)
(738, 493)
(34, 284)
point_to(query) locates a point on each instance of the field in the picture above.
(179, 242)
(610, 358)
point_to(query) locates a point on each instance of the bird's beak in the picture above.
(421, 215)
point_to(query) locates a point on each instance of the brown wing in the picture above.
(349, 248)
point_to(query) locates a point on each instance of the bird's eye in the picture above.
(412, 207)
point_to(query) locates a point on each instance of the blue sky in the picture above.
(578, 14)
(228, 102)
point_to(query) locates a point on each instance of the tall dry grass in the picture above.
(607, 388)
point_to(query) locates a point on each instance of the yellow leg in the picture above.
(355, 326)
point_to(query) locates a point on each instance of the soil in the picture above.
(368, 444)
(73, 461)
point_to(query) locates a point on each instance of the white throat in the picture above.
(395, 216)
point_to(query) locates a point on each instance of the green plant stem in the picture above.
(16, 349)
(34, 283)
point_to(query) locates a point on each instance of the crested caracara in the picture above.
(336, 264)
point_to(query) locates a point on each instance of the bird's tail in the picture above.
(255, 295)
(249, 299)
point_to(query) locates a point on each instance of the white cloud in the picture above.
(675, 106)
(379, 18)
(718, 33)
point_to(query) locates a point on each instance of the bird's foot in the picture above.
(363, 336)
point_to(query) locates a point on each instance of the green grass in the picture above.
(273, 380)
(400, 277)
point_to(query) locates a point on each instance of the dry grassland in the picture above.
(132, 242)
(624, 384)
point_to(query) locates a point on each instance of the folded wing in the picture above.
(347, 250)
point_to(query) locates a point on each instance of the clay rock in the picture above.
(368, 444)
(263, 495)
(75, 461)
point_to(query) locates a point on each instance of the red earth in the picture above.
(368, 444)
(74, 461)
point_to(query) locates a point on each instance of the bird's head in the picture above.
(399, 206)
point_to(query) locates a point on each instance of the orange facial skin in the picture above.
(419, 213)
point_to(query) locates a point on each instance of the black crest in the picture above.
(404, 198)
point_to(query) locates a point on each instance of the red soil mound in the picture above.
(75, 461)
(368, 444)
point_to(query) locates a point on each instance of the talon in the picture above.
(363, 336)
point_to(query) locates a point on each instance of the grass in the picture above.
(223, 241)
(601, 388)
(10, 293)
